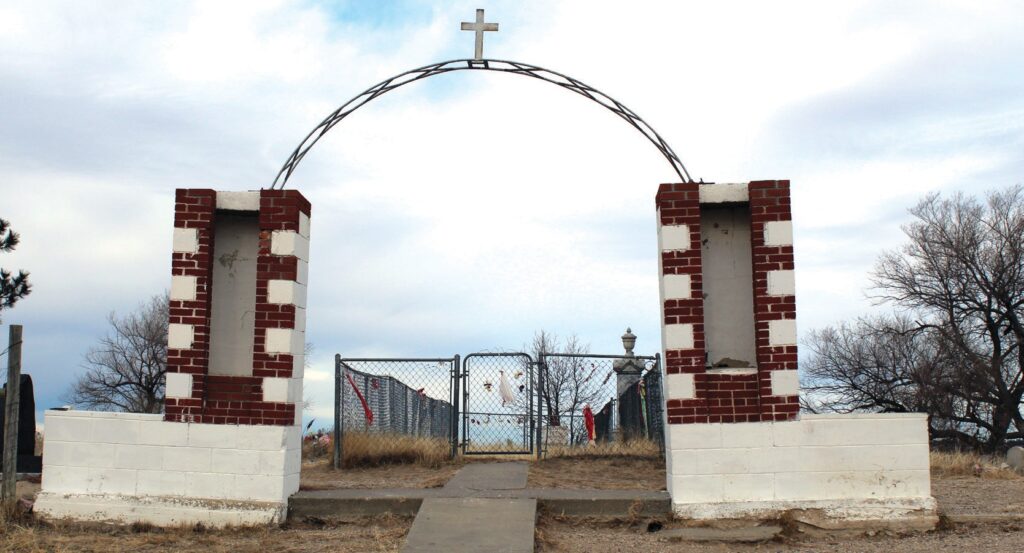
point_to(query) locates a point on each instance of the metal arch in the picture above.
(503, 66)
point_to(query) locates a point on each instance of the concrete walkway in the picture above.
(466, 523)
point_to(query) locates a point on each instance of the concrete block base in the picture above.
(834, 469)
(131, 467)
(160, 511)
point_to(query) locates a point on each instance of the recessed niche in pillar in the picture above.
(233, 310)
(728, 285)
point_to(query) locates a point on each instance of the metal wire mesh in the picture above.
(572, 381)
(391, 399)
(498, 404)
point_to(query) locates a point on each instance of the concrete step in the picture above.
(452, 525)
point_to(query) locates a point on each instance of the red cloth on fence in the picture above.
(366, 407)
(588, 419)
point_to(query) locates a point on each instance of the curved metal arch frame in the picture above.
(503, 66)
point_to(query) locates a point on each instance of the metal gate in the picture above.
(498, 404)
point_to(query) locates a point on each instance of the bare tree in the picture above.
(125, 372)
(957, 351)
(569, 382)
(12, 288)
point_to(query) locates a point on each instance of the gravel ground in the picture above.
(561, 537)
(970, 495)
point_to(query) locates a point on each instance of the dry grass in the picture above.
(631, 448)
(385, 533)
(321, 475)
(966, 463)
(372, 450)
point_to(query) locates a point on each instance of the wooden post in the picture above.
(11, 401)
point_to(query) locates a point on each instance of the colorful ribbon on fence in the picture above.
(366, 406)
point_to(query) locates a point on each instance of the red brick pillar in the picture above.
(679, 247)
(774, 299)
(272, 391)
(189, 328)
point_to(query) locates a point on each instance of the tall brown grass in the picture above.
(360, 449)
(630, 448)
(967, 463)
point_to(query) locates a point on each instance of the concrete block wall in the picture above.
(851, 466)
(141, 467)
(272, 393)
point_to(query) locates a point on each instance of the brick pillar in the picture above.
(774, 299)
(272, 391)
(189, 328)
(682, 303)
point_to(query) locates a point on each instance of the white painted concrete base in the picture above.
(132, 467)
(160, 511)
(850, 467)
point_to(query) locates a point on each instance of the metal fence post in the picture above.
(456, 377)
(338, 398)
(540, 405)
(11, 401)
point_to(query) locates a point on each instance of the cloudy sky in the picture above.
(465, 212)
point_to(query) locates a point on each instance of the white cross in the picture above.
(479, 26)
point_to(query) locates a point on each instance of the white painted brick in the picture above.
(116, 431)
(66, 429)
(293, 461)
(93, 455)
(132, 456)
(293, 438)
(284, 340)
(66, 479)
(302, 272)
(852, 485)
(873, 457)
(291, 484)
(678, 336)
(161, 482)
(849, 431)
(221, 436)
(238, 201)
(677, 286)
(183, 288)
(179, 336)
(209, 485)
(747, 434)
(300, 319)
(697, 489)
(781, 283)
(298, 365)
(275, 389)
(57, 453)
(187, 459)
(778, 233)
(785, 383)
(287, 292)
(680, 386)
(675, 237)
(263, 438)
(236, 461)
(179, 385)
(163, 433)
(109, 480)
(782, 332)
(272, 462)
(695, 436)
(724, 193)
(748, 487)
(259, 487)
(303, 225)
(186, 240)
(289, 242)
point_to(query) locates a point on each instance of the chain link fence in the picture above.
(573, 381)
(394, 403)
